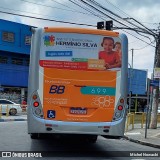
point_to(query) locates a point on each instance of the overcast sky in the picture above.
(146, 12)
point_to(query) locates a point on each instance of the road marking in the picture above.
(156, 135)
(132, 133)
(138, 159)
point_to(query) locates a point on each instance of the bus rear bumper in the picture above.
(37, 125)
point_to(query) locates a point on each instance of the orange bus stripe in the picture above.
(82, 31)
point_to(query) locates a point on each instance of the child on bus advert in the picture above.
(111, 57)
(117, 48)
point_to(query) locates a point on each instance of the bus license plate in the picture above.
(78, 110)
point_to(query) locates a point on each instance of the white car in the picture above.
(13, 108)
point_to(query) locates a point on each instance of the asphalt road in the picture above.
(14, 137)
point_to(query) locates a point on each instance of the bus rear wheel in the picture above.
(91, 138)
(34, 136)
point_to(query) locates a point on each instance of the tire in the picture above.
(13, 111)
(92, 138)
(34, 136)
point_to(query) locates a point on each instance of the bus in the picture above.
(77, 82)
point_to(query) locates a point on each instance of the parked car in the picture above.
(13, 108)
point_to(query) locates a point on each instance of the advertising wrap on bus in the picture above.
(77, 83)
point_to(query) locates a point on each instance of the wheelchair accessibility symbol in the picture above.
(51, 114)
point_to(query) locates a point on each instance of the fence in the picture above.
(130, 120)
(137, 118)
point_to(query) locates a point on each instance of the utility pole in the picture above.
(130, 83)
(155, 101)
(132, 57)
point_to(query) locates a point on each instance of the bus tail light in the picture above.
(34, 97)
(36, 105)
(121, 100)
(120, 107)
(119, 110)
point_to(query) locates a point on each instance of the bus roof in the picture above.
(82, 31)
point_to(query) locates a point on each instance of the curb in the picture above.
(142, 142)
(11, 120)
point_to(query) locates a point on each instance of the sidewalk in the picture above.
(138, 135)
(22, 117)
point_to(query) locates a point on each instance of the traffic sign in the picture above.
(137, 81)
(154, 83)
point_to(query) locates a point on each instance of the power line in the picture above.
(109, 11)
(153, 23)
(117, 8)
(132, 42)
(62, 21)
(93, 7)
(25, 11)
(62, 4)
(56, 7)
(144, 26)
(75, 3)
(139, 39)
(145, 46)
(46, 19)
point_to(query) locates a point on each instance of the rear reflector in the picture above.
(38, 111)
(106, 126)
(48, 125)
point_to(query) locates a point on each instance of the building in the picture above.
(15, 41)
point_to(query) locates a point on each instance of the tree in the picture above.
(155, 101)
